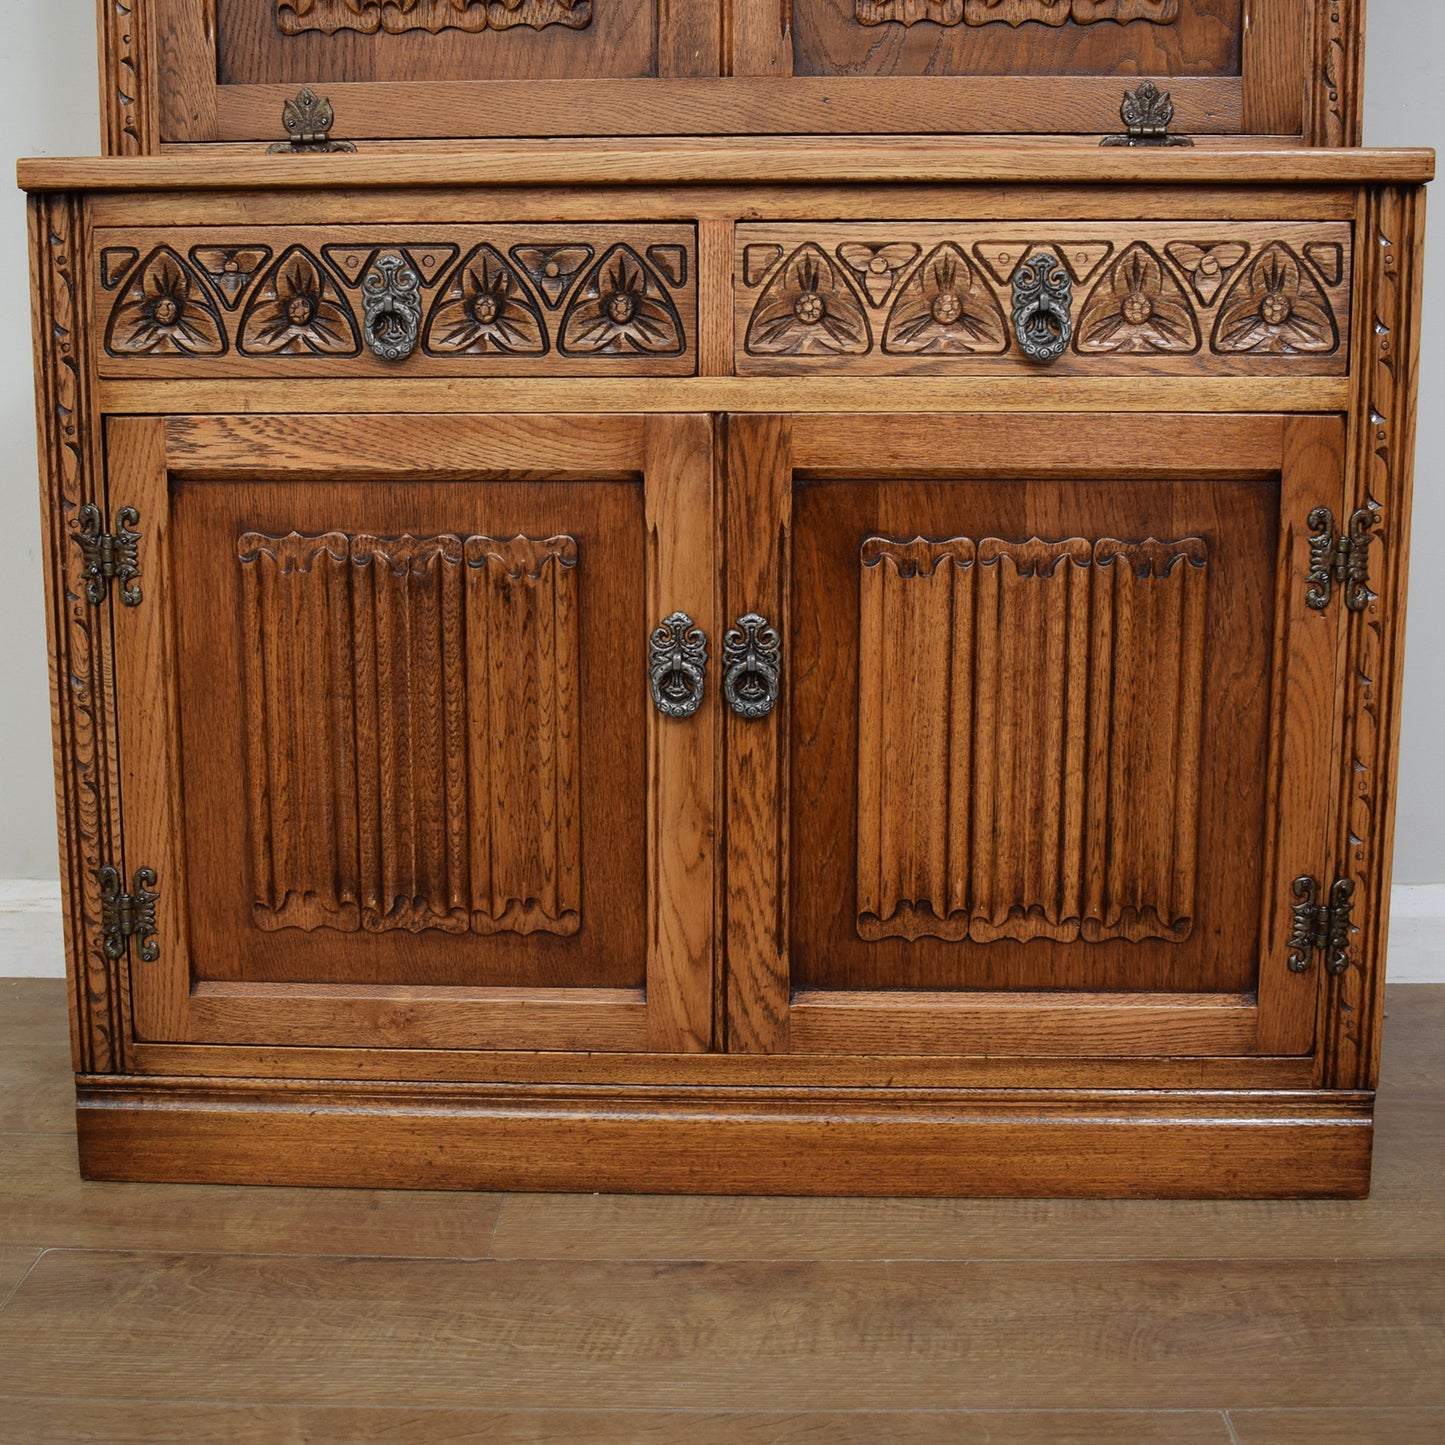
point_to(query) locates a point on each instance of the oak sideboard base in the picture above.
(926, 1143)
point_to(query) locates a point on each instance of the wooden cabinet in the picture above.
(220, 71)
(1052, 679)
(798, 685)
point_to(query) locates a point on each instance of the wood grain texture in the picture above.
(125, 1422)
(1336, 1427)
(1214, 299)
(412, 732)
(963, 750)
(40, 1089)
(918, 161)
(758, 557)
(202, 70)
(683, 754)
(809, 1141)
(879, 1336)
(82, 707)
(495, 300)
(43, 1201)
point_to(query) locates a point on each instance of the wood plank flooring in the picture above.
(165, 1313)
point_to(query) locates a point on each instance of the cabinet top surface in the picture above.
(755, 162)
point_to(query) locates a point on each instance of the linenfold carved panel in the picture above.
(1014, 12)
(1030, 717)
(412, 745)
(396, 17)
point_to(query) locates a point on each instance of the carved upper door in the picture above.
(221, 70)
(386, 732)
(1049, 753)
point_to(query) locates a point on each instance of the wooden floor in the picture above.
(163, 1313)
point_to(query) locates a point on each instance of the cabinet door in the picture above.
(386, 735)
(1053, 737)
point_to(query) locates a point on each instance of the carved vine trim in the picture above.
(1014, 12)
(397, 17)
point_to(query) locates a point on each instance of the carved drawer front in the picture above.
(1076, 298)
(511, 300)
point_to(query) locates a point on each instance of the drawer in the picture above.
(507, 300)
(1078, 298)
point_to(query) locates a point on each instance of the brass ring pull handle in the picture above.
(677, 665)
(753, 666)
(391, 296)
(1043, 305)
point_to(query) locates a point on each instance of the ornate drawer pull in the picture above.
(1043, 302)
(391, 291)
(677, 665)
(753, 654)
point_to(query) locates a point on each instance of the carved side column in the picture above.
(129, 111)
(1337, 64)
(81, 691)
(1383, 467)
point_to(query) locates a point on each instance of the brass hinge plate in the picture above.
(1340, 559)
(128, 915)
(1322, 927)
(307, 119)
(109, 556)
(1147, 114)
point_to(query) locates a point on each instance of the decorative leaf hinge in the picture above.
(128, 915)
(1321, 927)
(1340, 558)
(109, 556)
(1146, 113)
(308, 120)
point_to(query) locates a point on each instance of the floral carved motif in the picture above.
(1276, 307)
(165, 311)
(1137, 306)
(396, 17)
(622, 307)
(1014, 12)
(945, 306)
(492, 293)
(809, 307)
(298, 310)
(485, 307)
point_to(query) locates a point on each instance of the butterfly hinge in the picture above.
(1340, 559)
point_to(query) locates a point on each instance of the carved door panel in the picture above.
(1053, 736)
(386, 733)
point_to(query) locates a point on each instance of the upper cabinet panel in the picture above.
(180, 71)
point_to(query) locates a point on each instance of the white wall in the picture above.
(48, 78)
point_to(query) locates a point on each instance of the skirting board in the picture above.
(30, 938)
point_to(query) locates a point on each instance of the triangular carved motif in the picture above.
(115, 261)
(1138, 306)
(298, 310)
(1208, 265)
(429, 260)
(552, 268)
(1329, 257)
(231, 269)
(1001, 258)
(671, 262)
(946, 308)
(758, 261)
(1083, 258)
(622, 308)
(809, 308)
(878, 267)
(1276, 307)
(165, 310)
(484, 308)
(350, 261)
